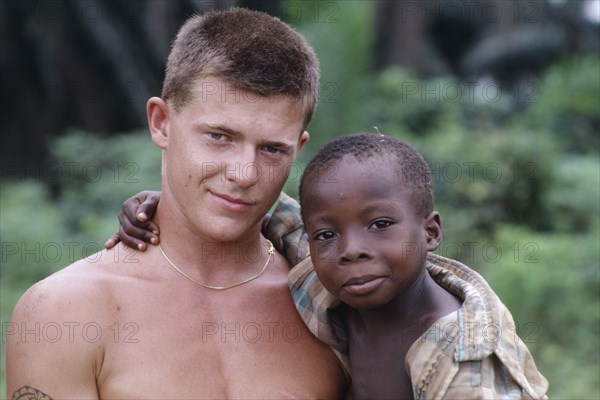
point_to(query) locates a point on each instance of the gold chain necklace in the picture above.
(271, 252)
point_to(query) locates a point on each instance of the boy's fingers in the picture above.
(142, 216)
(146, 209)
(152, 227)
(130, 209)
(131, 234)
(137, 228)
(112, 241)
(131, 241)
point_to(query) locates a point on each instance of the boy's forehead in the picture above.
(356, 173)
(360, 169)
(358, 189)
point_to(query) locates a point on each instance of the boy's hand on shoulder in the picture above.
(135, 222)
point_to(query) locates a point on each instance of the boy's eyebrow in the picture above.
(275, 143)
(320, 220)
(380, 206)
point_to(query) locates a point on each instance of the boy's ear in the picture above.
(433, 230)
(158, 118)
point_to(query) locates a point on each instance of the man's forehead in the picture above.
(215, 87)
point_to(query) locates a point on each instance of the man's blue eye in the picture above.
(272, 150)
(216, 136)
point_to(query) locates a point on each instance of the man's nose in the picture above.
(244, 170)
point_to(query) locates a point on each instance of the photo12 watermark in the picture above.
(492, 172)
(70, 332)
(490, 252)
(71, 172)
(223, 92)
(474, 333)
(486, 91)
(251, 332)
(69, 251)
(473, 11)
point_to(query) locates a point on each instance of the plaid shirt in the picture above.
(473, 352)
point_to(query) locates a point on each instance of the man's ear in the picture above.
(303, 139)
(158, 119)
(433, 229)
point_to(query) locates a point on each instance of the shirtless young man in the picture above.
(209, 313)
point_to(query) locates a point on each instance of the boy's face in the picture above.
(367, 243)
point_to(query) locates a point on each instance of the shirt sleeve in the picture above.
(316, 307)
(285, 229)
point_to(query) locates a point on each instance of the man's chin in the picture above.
(229, 229)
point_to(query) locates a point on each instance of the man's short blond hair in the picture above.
(248, 49)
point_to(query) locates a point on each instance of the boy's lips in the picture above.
(362, 285)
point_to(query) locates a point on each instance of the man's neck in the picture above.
(206, 258)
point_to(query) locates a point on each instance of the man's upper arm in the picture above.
(47, 353)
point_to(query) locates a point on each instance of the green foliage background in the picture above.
(517, 184)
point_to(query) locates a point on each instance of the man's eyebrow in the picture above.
(223, 128)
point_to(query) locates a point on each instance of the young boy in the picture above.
(405, 322)
(417, 325)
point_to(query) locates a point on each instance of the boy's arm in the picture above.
(491, 379)
(315, 306)
(46, 354)
(285, 229)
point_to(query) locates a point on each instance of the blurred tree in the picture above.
(507, 39)
(84, 64)
(88, 64)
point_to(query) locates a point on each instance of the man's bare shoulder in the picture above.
(61, 325)
(89, 282)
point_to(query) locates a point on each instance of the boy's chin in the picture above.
(365, 304)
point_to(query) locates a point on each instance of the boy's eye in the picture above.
(216, 136)
(380, 224)
(326, 235)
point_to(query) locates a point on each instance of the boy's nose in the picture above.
(353, 249)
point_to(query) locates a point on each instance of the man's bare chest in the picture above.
(211, 346)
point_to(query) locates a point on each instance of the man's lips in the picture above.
(231, 203)
(232, 199)
(362, 285)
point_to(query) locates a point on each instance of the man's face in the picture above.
(227, 155)
(367, 242)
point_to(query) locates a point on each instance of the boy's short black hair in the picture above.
(410, 166)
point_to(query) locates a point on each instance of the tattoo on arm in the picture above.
(29, 393)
